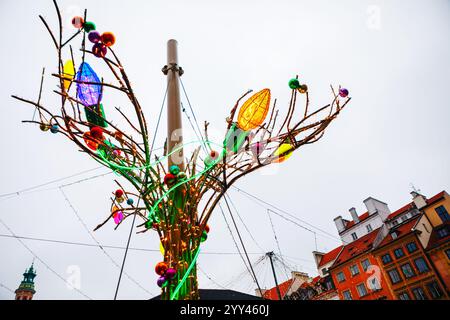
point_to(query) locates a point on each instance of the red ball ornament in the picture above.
(78, 22)
(169, 178)
(108, 39)
(207, 229)
(99, 50)
(90, 141)
(161, 268)
(97, 133)
(119, 193)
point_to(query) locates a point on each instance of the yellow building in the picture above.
(434, 232)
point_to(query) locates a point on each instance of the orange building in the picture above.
(404, 262)
(400, 255)
(355, 272)
(438, 251)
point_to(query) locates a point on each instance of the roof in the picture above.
(362, 217)
(272, 294)
(330, 256)
(435, 198)
(401, 230)
(411, 205)
(357, 247)
(402, 210)
(435, 240)
(218, 294)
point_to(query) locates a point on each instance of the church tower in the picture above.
(26, 288)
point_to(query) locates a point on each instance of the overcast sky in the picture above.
(393, 56)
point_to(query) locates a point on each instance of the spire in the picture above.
(26, 287)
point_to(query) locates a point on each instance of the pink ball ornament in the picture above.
(258, 147)
(343, 92)
(170, 273)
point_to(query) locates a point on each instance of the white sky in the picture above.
(395, 131)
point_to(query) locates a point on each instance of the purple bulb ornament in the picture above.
(94, 36)
(161, 281)
(99, 50)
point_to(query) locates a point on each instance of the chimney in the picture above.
(339, 224)
(375, 206)
(354, 215)
(419, 200)
(318, 257)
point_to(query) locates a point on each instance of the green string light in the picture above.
(188, 271)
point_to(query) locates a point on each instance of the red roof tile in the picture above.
(330, 256)
(403, 209)
(435, 240)
(357, 247)
(362, 217)
(435, 198)
(410, 205)
(272, 294)
(401, 230)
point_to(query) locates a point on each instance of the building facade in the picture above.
(392, 255)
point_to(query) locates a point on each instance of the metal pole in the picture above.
(270, 255)
(174, 122)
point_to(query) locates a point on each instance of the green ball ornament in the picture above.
(204, 236)
(89, 26)
(294, 84)
(174, 170)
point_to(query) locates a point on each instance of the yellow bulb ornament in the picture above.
(283, 153)
(68, 73)
(254, 110)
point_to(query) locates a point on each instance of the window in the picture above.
(324, 271)
(374, 284)
(421, 265)
(434, 290)
(404, 296)
(443, 232)
(354, 270)
(347, 295)
(399, 253)
(419, 294)
(411, 247)
(340, 277)
(394, 235)
(447, 252)
(407, 270)
(386, 258)
(365, 264)
(329, 285)
(354, 236)
(369, 228)
(362, 291)
(442, 213)
(404, 218)
(395, 276)
(395, 222)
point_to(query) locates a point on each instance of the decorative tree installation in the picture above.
(168, 201)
